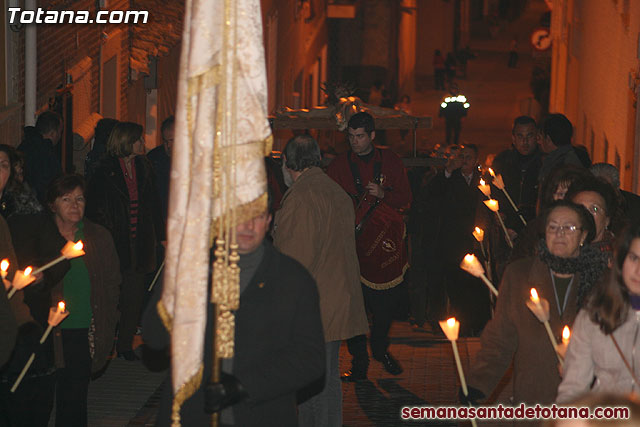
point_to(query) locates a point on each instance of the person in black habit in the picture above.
(468, 296)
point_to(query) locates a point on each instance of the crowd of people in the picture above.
(359, 236)
(116, 211)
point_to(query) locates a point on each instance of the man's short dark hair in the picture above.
(47, 122)
(559, 129)
(166, 124)
(302, 152)
(103, 130)
(473, 147)
(523, 121)
(362, 120)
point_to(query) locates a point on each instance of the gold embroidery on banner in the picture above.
(164, 315)
(200, 83)
(390, 260)
(375, 243)
(387, 285)
(185, 391)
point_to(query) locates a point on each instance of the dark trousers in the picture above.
(72, 384)
(439, 75)
(469, 300)
(418, 283)
(453, 130)
(131, 300)
(382, 305)
(30, 405)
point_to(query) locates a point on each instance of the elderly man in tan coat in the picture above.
(315, 226)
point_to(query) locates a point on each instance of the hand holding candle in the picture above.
(471, 265)
(20, 280)
(494, 206)
(56, 315)
(451, 327)
(540, 308)
(70, 250)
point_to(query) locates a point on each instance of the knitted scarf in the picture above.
(590, 263)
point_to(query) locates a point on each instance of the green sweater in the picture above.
(77, 291)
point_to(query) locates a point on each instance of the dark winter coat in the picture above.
(279, 346)
(108, 205)
(42, 164)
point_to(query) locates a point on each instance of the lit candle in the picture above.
(485, 188)
(4, 266)
(20, 280)
(566, 336)
(451, 328)
(540, 308)
(492, 173)
(498, 182)
(494, 206)
(56, 315)
(471, 265)
(478, 233)
(70, 250)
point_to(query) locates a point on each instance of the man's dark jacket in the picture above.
(279, 346)
(108, 205)
(520, 176)
(161, 162)
(42, 165)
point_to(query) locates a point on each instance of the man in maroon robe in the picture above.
(377, 182)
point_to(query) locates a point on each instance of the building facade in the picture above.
(595, 79)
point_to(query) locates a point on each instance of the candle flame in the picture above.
(478, 230)
(61, 306)
(451, 322)
(482, 181)
(534, 295)
(469, 258)
(27, 271)
(493, 174)
(78, 246)
(4, 265)
(566, 333)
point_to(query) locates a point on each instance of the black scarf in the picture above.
(590, 263)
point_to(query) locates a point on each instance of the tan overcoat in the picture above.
(315, 226)
(516, 334)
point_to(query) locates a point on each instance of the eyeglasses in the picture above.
(562, 229)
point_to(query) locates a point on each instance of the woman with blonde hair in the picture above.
(122, 197)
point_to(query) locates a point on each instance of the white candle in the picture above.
(4, 266)
(56, 315)
(540, 308)
(70, 250)
(485, 188)
(478, 233)
(451, 328)
(566, 336)
(20, 280)
(471, 265)
(494, 206)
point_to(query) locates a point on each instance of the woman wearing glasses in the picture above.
(563, 270)
(598, 197)
(604, 344)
